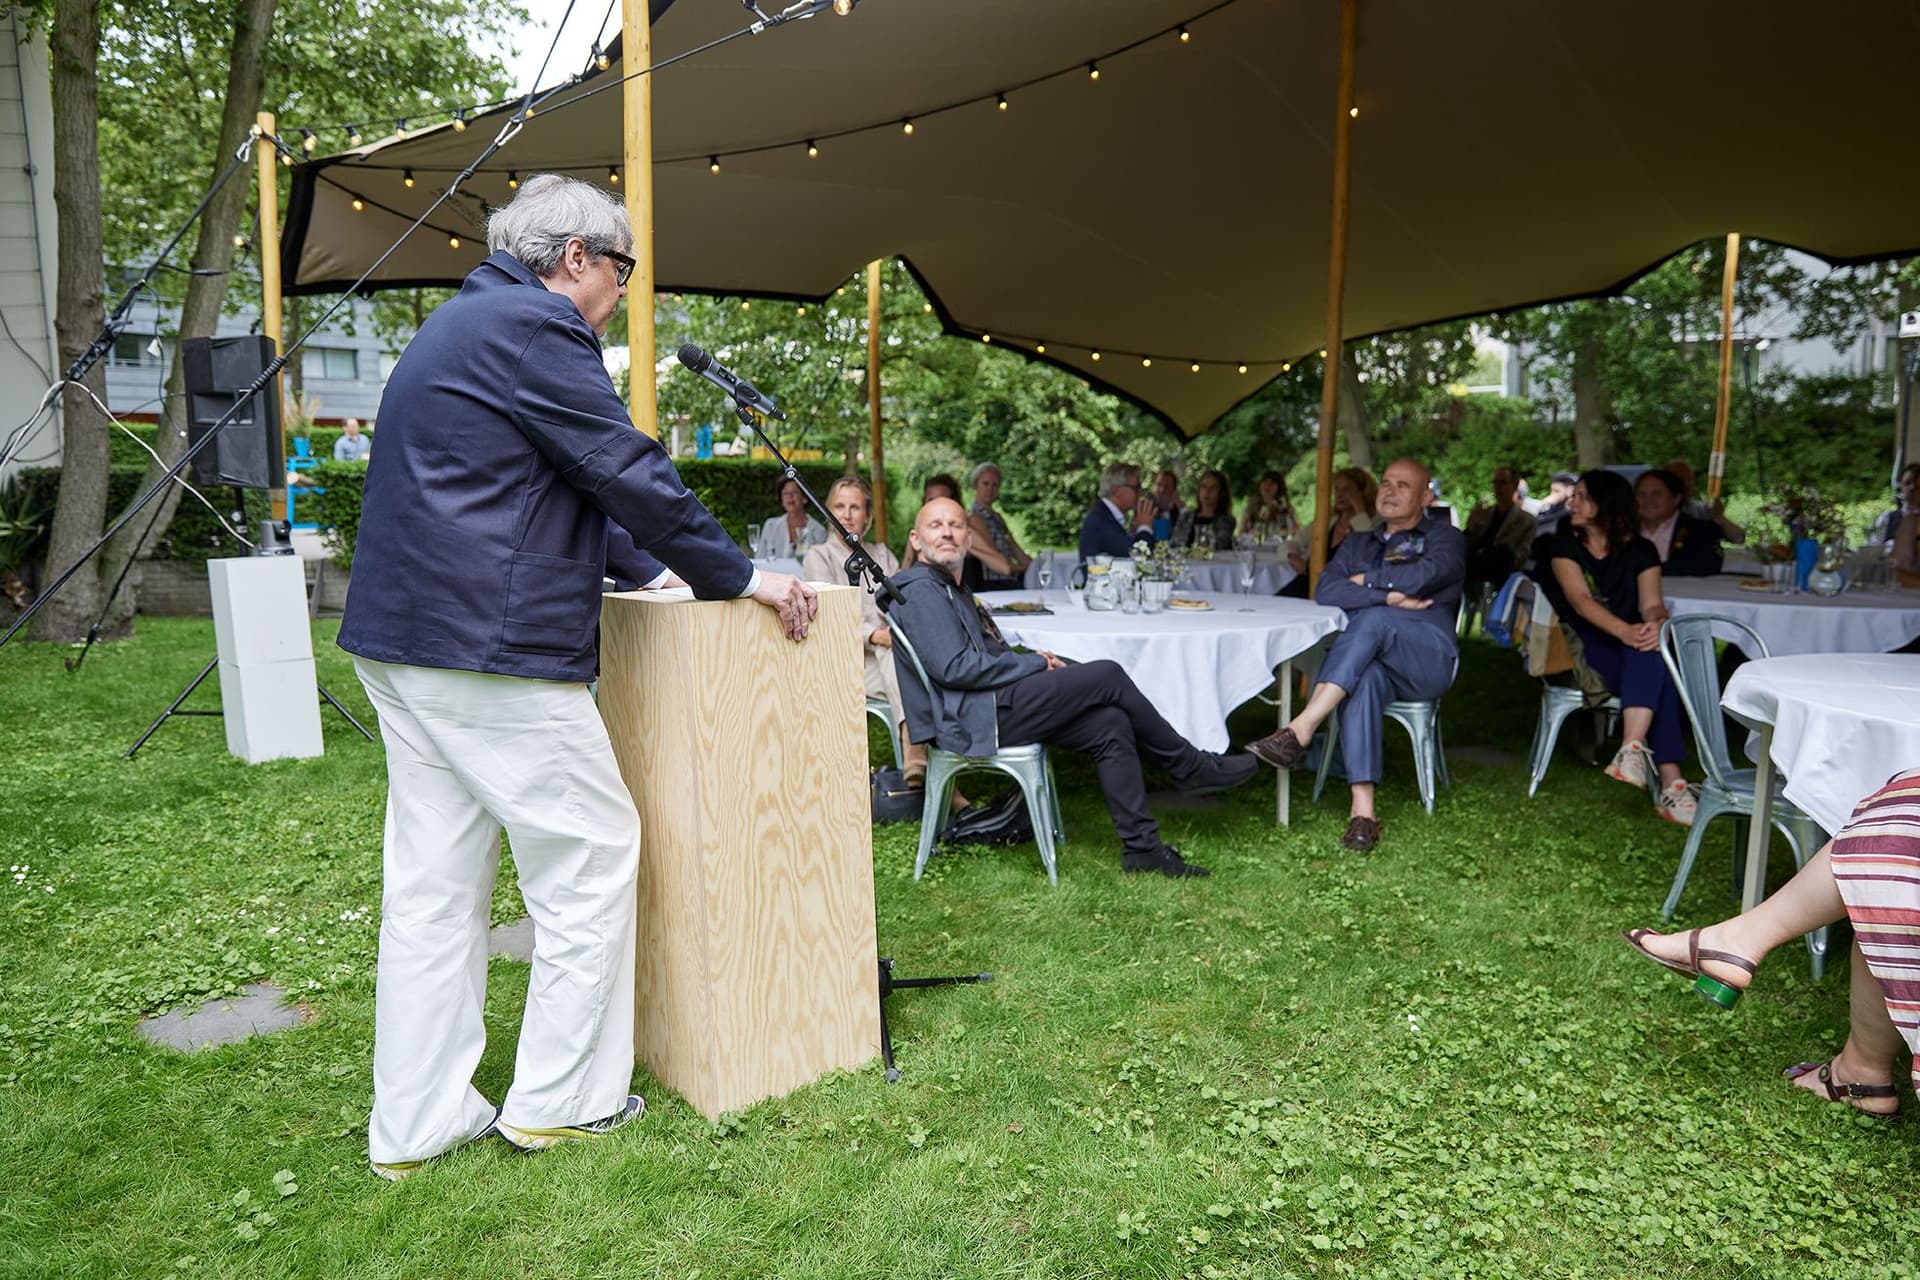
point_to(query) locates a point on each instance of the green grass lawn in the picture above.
(1437, 1060)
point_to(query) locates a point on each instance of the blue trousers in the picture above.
(1640, 680)
(1385, 655)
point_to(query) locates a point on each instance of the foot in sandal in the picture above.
(1721, 975)
(1855, 1084)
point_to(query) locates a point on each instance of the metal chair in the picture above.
(1557, 702)
(1686, 645)
(1027, 765)
(882, 710)
(1421, 720)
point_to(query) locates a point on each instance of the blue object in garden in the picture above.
(703, 442)
(1806, 554)
(302, 447)
(1162, 528)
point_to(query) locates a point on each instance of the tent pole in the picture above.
(636, 51)
(1336, 291)
(876, 451)
(1717, 460)
(271, 322)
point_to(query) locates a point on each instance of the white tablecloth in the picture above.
(781, 564)
(1193, 667)
(1271, 572)
(1852, 622)
(1842, 725)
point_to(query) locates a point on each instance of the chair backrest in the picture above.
(1497, 624)
(902, 643)
(1686, 646)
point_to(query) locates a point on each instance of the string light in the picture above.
(813, 152)
(1146, 362)
(844, 7)
(359, 205)
(1186, 36)
(906, 127)
(613, 176)
(745, 303)
(513, 180)
(1040, 350)
(307, 140)
(408, 179)
(1195, 366)
(453, 242)
(713, 164)
(400, 127)
(1353, 113)
(353, 135)
(1093, 71)
(600, 58)
(239, 242)
(802, 311)
(1243, 368)
(460, 120)
(1000, 100)
(927, 307)
(286, 158)
(1095, 355)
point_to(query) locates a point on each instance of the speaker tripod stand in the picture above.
(173, 709)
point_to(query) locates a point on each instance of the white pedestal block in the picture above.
(268, 691)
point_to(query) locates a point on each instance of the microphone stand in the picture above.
(859, 565)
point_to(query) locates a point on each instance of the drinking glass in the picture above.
(1246, 573)
(1046, 569)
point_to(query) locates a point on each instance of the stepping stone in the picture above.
(514, 939)
(259, 1009)
(1482, 755)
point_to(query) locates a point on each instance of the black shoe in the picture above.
(1166, 860)
(1281, 750)
(1362, 835)
(1217, 773)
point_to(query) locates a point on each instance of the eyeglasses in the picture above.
(622, 265)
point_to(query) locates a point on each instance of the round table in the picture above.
(1851, 622)
(1193, 667)
(1271, 572)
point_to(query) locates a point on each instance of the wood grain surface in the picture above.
(747, 757)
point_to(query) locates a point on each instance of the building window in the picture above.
(339, 364)
(130, 351)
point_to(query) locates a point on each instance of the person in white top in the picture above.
(793, 530)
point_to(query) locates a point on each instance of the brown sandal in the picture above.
(1842, 1091)
(1711, 988)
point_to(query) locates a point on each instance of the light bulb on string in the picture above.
(906, 127)
(713, 164)
(927, 307)
(407, 178)
(513, 180)
(400, 127)
(813, 151)
(1186, 36)
(453, 242)
(308, 141)
(240, 241)
(359, 205)
(801, 311)
(1146, 362)
(460, 120)
(1353, 113)
(1040, 349)
(354, 137)
(1000, 100)
(600, 58)
(986, 337)
(1243, 368)
(613, 176)
(286, 158)
(844, 7)
(1093, 355)
(1194, 367)
(1093, 71)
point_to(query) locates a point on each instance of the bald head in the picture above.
(940, 535)
(1404, 494)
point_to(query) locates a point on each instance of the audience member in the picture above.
(1603, 579)
(990, 532)
(352, 446)
(1682, 470)
(1553, 509)
(1498, 536)
(1209, 521)
(793, 530)
(1689, 547)
(985, 558)
(1399, 583)
(1869, 871)
(1269, 514)
(1119, 517)
(1166, 505)
(986, 696)
(1905, 543)
(851, 502)
(1354, 497)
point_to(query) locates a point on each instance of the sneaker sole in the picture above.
(543, 1139)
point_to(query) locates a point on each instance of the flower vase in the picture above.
(1806, 554)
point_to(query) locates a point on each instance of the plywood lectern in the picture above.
(747, 757)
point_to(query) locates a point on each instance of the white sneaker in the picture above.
(1632, 764)
(1678, 804)
(540, 1139)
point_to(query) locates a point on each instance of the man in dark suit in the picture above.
(986, 696)
(509, 480)
(1119, 517)
(1689, 546)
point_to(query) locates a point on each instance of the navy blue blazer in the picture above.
(1695, 550)
(1429, 560)
(508, 479)
(964, 663)
(1102, 535)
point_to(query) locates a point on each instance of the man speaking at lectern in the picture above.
(508, 481)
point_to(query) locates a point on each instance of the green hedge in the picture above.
(127, 453)
(194, 535)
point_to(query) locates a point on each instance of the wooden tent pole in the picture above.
(1717, 460)
(1336, 290)
(271, 322)
(636, 53)
(876, 451)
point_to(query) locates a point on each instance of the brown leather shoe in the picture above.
(1362, 835)
(1281, 750)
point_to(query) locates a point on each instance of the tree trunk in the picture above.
(80, 311)
(213, 252)
(1353, 413)
(1592, 437)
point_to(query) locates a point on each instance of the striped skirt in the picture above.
(1876, 863)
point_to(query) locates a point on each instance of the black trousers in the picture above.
(1094, 707)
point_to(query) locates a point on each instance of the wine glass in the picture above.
(1045, 572)
(1246, 573)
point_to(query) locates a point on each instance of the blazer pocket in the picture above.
(549, 601)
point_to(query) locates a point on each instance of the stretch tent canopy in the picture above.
(1173, 211)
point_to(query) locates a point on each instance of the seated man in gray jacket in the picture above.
(986, 696)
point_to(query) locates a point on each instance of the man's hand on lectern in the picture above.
(791, 598)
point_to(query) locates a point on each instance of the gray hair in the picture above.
(1116, 474)
(973, 476)
(549, 211)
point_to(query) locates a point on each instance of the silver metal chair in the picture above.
(880, 709)
(1421, 720)
(1557, 702)
(1686, 645)
(1027, 765)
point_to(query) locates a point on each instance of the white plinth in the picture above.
(268, 691)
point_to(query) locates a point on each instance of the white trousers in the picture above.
(468, 754)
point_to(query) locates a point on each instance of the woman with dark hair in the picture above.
(1269, 514)
(1604, 581)
(1209, 521)
(1905, 555)
(793, 530)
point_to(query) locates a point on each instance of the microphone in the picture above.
(742, 391)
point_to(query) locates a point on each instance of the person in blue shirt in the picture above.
(1399, 583)
(351, 446)
(1119, 517)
